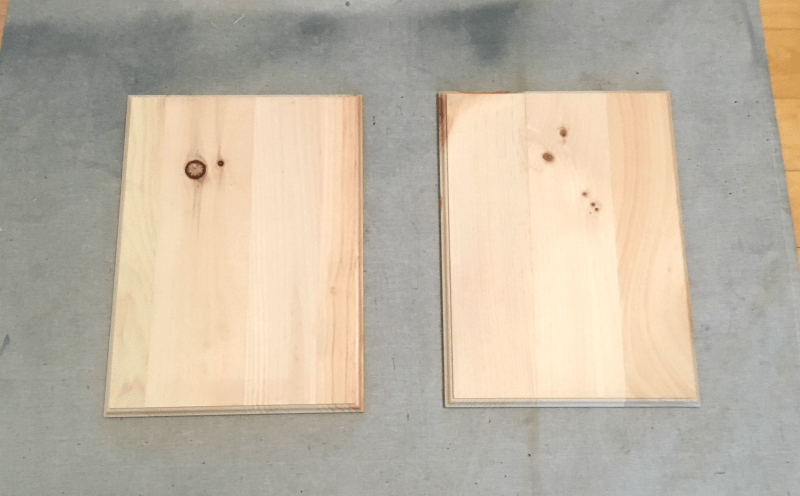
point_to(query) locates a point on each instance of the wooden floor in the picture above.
(3, 8)
(781, 21)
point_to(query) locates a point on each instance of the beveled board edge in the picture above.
(359, 405)
(233, 410)
(574, 403)
(444, 230)
(107, 398)
(683, 248)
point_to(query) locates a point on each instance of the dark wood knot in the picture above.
(195, 169)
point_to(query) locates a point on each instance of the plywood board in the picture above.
(564, 278)
(239, 260)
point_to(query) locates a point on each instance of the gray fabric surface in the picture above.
(66, 68)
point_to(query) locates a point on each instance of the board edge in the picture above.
(106, 407)
(447, 354)
(233, 410)
(359, 404)
(576, 403)
(696, 377)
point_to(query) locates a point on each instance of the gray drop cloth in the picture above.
(66, 68)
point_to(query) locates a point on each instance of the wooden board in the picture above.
(239, 261)
(564, 279)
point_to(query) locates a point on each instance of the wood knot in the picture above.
(195, 169)
(548, 157)
(563, 132)
(221, 163)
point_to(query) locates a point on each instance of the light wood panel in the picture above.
(780, 14)
(783, 55)
(564, 280)
(239, 267)
(654, 294)
(787, 113)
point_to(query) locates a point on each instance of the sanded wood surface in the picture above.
(239, 267)
(564, 279)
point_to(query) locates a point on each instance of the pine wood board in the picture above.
(239, 280)
(564, 277)
(787, 113)
(780, 14)
(783, 55)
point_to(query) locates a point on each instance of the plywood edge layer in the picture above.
(233, 410)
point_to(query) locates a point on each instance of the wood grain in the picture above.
(654, 294)
(780, 14)
(239, 291)
(787, 113)
(563, 267)
(783, 55)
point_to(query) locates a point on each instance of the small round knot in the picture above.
(548, 157)
(195, 169)
(563, 132)
(221, 163)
